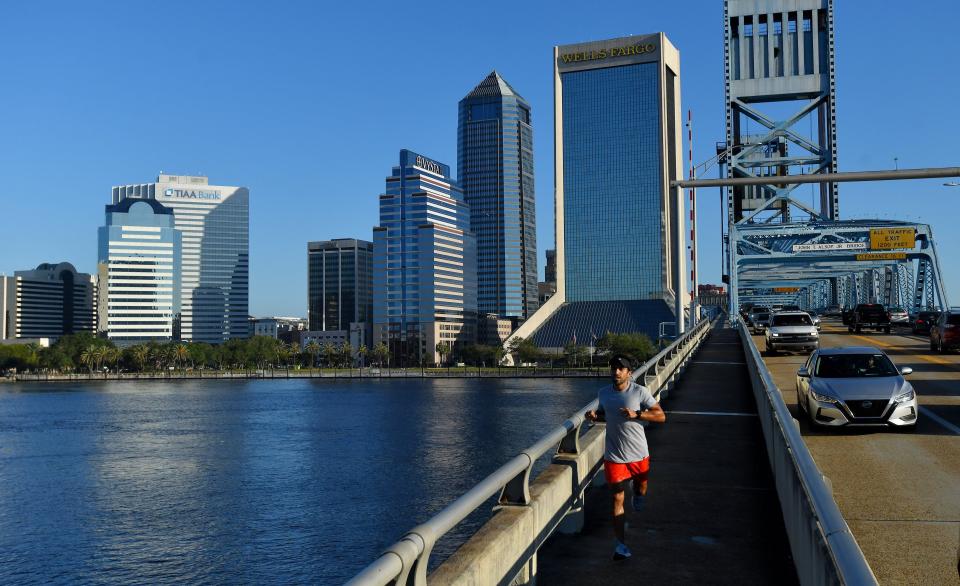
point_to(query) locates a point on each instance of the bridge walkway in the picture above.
(712, 514)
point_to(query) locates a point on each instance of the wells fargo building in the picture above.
(620, 257)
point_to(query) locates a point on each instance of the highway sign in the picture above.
(830, 246)
(892, 238)
(882, 256)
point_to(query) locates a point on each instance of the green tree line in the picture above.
(85, 352)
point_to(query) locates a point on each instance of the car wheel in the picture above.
(940, 347)
(849, 329)
(886, 330)
(857, 329)
(933, 347)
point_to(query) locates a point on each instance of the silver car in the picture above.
(856, 386)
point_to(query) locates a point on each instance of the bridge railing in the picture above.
(823, 547)
(502, 550)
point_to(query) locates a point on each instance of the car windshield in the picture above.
(854, 365)
(799, 319)
(762, 316)
(954, 319)
(898, 310)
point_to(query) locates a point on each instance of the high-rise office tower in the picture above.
(138, 264)
(48, 302)
(424, 264)
(620, 237)
(495, 165)
(215, 282)
(340, 285)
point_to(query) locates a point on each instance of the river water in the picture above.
(291, 481)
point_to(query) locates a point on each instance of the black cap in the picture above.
(621, 361)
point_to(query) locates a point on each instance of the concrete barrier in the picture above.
(504, 549)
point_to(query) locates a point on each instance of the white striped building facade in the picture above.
(214, 223)
(138, 268)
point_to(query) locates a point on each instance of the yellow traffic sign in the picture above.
(882, 256)
(892, 238)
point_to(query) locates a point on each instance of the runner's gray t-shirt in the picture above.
(626, 442)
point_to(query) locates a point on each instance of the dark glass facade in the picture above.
(612, 183)
(340, 283)
(495, 164)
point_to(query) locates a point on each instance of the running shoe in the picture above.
(621, 552)
(639, 501)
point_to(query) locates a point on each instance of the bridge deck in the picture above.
(712, 514)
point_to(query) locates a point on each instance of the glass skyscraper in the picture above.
(620, 231)
(495, 165)
(424, 266)
(620, 147)
(215, 223)
(139, 272)
(340, 284)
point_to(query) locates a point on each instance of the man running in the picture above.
(627, 408)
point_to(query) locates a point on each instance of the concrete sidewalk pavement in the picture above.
(712, 514)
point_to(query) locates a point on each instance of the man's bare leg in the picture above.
(617, 494)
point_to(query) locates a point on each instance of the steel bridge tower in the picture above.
(779, 76)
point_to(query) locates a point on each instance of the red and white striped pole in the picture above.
(693, 222)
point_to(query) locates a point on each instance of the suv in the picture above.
(758, 320)
(945, 332)
(869, 315)
(923, 320)
(792, 330)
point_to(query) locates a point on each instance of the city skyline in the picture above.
(66, 122)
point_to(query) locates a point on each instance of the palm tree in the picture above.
(313, 349)
(140, 355)
(346, 353)
(112, 357)
(443, 349)
(362, 353)
(181, 354)
(88, 357)
(329, 350)
(99, 354)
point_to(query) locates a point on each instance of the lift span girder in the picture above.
(824, 263)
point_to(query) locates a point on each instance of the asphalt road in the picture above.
(899, 492)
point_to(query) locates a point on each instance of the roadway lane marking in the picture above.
(709, 362)
(931, 359)
(712, 413)
(940, 420)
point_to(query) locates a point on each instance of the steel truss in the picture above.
(768, 267)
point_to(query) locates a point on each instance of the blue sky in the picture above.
(308, 105)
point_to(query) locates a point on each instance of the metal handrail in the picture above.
(836, 556)
(411, 554)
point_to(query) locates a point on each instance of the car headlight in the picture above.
(822, 398)
(774, 334)
(908, 396)
(815, 333)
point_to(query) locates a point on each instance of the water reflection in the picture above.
(262, 481)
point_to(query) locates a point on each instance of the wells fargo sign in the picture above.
(892, 238)
(638, 49)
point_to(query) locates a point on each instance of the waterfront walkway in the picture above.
(712, 514)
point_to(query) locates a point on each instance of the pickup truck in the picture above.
(870, 316)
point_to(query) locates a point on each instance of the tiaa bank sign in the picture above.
(191, 194)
